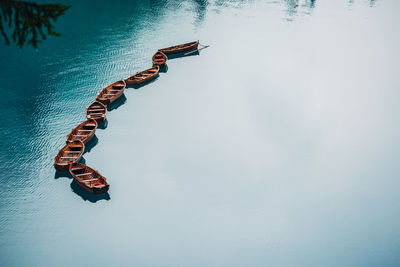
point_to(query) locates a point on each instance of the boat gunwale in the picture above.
(180, 48)
(88, 136)
(164, 57)
(107, 100)
(100, 179)
(100, 118)
(152, 76)
(64, 166)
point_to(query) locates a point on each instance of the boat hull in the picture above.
(95, 191)
(100, 109)
(180, 48)
(88, 178)
(160, 63)
(140, 81)
(85, 140)
(112, 87)
(97, 119)
(64, 167)
(62, 161)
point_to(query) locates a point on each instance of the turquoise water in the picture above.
(276, 146)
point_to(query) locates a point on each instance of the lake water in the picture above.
(276, 146)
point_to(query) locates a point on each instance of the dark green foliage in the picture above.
(28, 22)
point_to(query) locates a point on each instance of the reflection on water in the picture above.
(200, 7)
(372, 3)
(279, 139)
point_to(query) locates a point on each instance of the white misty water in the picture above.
(276, 146)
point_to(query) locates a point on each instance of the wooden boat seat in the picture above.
(84, 130)
(90, 180)
(83, 174)
(70, 151)
(70, 157)
(96, 109)
(77, 169)
(96, 113)
(79, 135)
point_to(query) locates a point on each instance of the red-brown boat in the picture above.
(159, 59)
(111, 93)
(180, 48)
(143, 76)
(96, 111)
(70, 153)
(83, 132)
(88, 178)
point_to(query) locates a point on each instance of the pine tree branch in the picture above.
(28, 22)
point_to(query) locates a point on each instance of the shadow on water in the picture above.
(137, 86)
(91, 144)
(83, 160)
(164, 69)
(85, 195)
(102, 125)
(117, 103)
(60, 174)
(184, 54)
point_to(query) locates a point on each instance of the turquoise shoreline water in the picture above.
(276, 146)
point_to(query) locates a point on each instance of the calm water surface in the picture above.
(277, 146)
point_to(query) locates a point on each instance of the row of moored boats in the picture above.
(69, 156)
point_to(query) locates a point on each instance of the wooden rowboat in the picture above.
(88, 178)
(83, 132)
(111, 93)
(143, 76)
(180, 48)
(96, 111)
(70, 153)
(159, 59)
